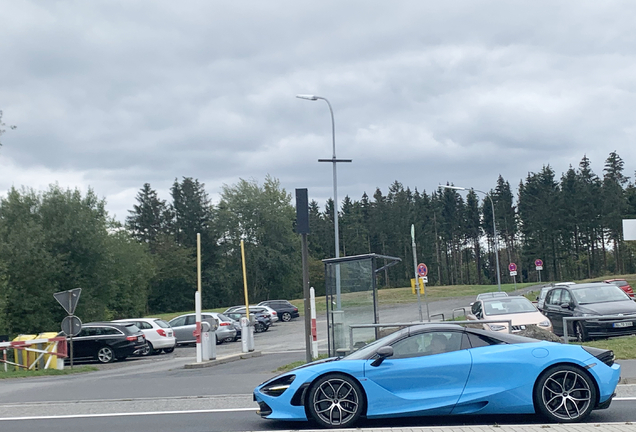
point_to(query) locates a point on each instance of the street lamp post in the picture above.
(334, 161)
(494, 226)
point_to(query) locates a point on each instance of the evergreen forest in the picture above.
(59, 239)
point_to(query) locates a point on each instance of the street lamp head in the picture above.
(451, 187)
(308, 97)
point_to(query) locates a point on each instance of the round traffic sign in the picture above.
(538, 262)
(422, 270)
(512, 267)
(71, 325)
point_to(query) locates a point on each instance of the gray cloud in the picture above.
(114, 94)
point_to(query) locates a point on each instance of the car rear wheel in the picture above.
(168, 350)
(335, 401)
(259, 327)
(565, 394)
(105, 354)
(286, 317)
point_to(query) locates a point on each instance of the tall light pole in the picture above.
(494, 226)
(334, 161)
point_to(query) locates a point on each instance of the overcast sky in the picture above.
(114, 94)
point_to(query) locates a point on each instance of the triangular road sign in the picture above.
(68, 299)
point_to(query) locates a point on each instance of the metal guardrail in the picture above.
(566, 338)
(463, 309)
(439, 314)
(410, 324)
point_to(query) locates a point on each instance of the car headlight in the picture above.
(497, 327)
(588, 315)
(545, 323)
(278, 386)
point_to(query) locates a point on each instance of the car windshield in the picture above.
(366, 350)
(162, 323)
(599, 294)
(510, 305)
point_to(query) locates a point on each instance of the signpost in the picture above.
(539, 266)
(512, 267)
(417, 272)
(71, 325)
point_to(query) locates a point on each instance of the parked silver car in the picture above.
(184, 326)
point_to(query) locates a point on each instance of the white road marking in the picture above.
(128, 414)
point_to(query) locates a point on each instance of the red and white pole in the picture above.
(314, 333)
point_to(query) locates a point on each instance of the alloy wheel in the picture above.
(567, 395)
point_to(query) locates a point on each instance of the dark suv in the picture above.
(107, 341)
(285, 310)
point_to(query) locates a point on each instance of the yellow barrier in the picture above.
(422, 288)
(49, 347)
(22, 357)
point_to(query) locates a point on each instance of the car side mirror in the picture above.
(566, 305)
(383, 352)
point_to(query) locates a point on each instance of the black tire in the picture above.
(168, 350)
(259, 327)
(565, 394)
(105, 354)
(286, 317)
(335, 400)
(581, 334)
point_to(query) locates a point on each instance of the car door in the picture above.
(554, 310)
(420, 378)
(84, 343)
(183, 328)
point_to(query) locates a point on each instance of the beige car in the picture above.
(518, 309)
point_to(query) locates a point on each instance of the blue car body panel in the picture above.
(417, 385)
(495, 379)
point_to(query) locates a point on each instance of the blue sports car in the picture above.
(442, 369)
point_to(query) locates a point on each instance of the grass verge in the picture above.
(45, 372)
(624, 347)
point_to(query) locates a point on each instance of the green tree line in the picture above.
(62, 239)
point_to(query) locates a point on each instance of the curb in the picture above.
(223, 360)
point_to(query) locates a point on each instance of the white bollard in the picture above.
(314, 330)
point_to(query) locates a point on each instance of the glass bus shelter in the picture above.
(351, 295)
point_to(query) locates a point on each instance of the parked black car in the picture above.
(591, 300)
(286, 311)
(107, 341)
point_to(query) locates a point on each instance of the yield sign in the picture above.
(68, 299)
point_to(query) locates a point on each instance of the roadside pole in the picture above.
(302, 228)
(197, 302)
(417, 278)
(247, 327)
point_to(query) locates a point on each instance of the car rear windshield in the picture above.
(222, 317)
(131, 328)
(162, 323)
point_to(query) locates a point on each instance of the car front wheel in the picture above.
(286, 317)
(105, 355)
(335, 401)
(581, 334)
(565, 394)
